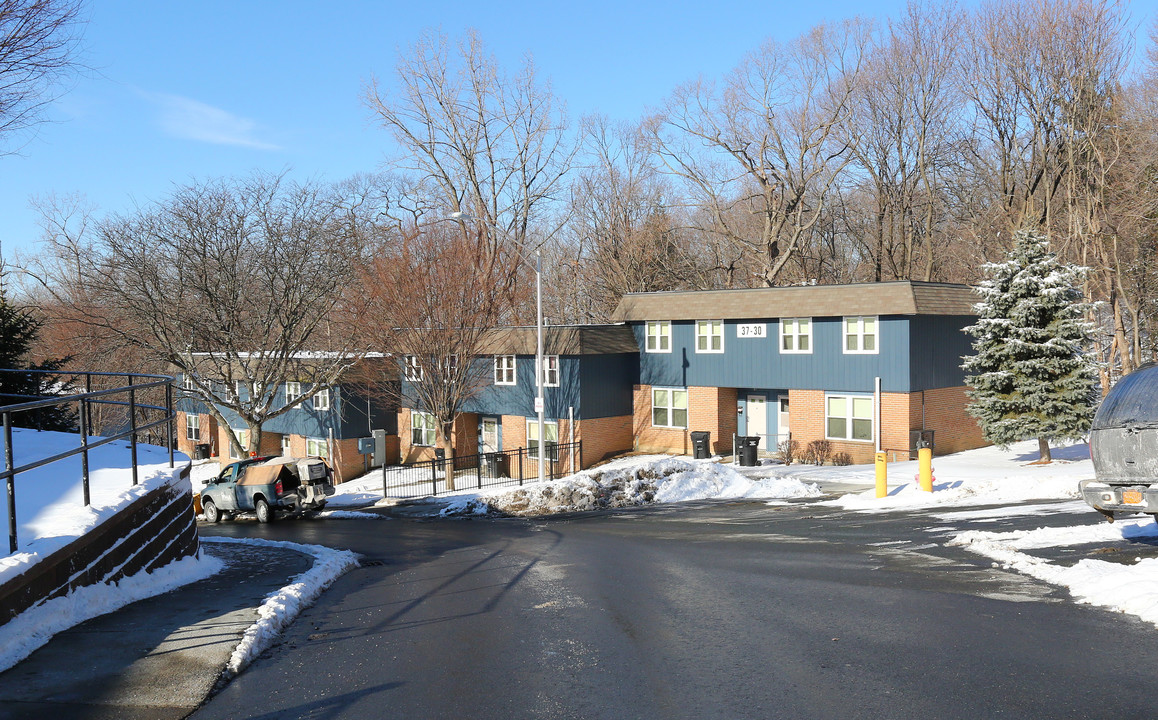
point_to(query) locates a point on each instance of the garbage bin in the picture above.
(497, 465)
(201, 451)
(701, 444)
(749, 444)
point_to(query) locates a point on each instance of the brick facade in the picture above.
(709, 408)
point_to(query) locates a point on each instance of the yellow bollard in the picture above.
(925, 468)
(882, 474)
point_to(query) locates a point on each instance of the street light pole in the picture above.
(540, 370)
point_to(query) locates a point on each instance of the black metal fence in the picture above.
(143, 418)
(493, 469)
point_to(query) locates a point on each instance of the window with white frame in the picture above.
(192, 427)
(848, 417)
(243, 438)
(504, 369)
(860, 335)
(322, 399)
(709, 336)
(411, 368)
(551, 371)
(286, 446)
(550, 429)
(318, 447)
(423, 429)
(293, 391)
(659, 336)
(450, 366)
(795, 335)
(669, 407)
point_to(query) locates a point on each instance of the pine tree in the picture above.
(18, 332)
(1029, 376)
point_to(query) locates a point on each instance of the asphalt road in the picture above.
(726, 610)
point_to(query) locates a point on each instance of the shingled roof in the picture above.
(562, 340)
(887, 298)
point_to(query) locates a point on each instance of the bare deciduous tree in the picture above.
(765, 146)
(38, 49)
(239, 285)
(434, 294)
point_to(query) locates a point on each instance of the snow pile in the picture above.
(985, 476)
(282, 607)
(25, 633)
(50, 510)
(629, 483)
(358, 492)
(1131, 588)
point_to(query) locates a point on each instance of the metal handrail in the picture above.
(85, 400)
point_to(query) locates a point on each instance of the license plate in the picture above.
(1132, 497)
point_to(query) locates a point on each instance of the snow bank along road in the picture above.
(738, 609)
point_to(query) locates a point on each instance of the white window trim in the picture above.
(411, 368)
(243, 438)
(193, 427)
(187, 382)
(844, 334)
(848, 417)
(320, 446)
(709, 350)
(502, 370)
(547, 360)
(293, 391)
(663, 330)
(533, 451)
(433, 430)
(670, 407)
(796, 336)
(322, 400)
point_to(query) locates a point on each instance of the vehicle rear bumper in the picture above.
(1120, 497)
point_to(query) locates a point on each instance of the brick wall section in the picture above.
(954, 429)
(602, 437)
(709, 408)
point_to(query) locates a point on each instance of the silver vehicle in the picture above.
(267, 487)
(1124, 447)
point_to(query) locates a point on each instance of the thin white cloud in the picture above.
(193, 120)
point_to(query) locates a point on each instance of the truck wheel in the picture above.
(263, 511)
(209, 508)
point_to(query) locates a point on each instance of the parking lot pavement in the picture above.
(155, 659)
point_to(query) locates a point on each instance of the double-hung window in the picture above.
(669, 407)
(550, 429)
(504, 369)
(709, 336)
(550, 371)
(243, 439)
(423, 429)
(293, 391)
(796, 335)
(848, 417)
(411, 368)
(187, 382)
(659, 336)
(318, 447)
(322, 399)
(860, 335)
(192, 427)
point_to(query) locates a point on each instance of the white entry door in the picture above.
(758, 418)
(782, 428)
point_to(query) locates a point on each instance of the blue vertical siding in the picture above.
(607, 384)
(939, 343)
(757, 362)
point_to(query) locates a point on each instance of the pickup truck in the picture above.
(268, 486)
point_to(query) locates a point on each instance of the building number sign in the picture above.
(752, 330)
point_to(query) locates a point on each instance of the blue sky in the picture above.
(185, 91)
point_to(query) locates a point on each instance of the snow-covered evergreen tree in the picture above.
(1030, 376)
(18, 332)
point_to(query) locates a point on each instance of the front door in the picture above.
(489, 440)
(758, 419)
(782, 419)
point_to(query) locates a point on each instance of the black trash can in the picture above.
(201, 451)
(749, 444)
(701, 444)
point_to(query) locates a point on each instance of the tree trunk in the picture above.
(1043, 450)
(448, 448)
